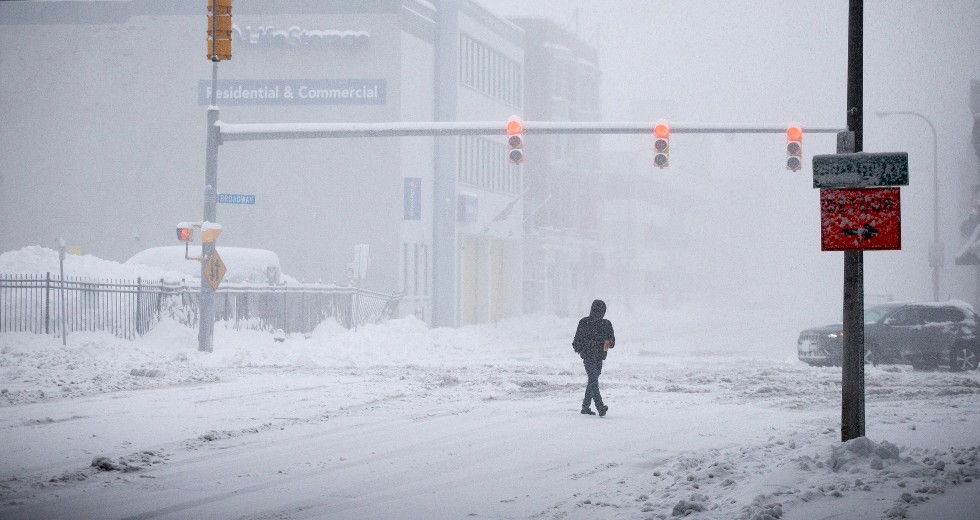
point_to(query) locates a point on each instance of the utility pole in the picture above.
(205, 333)
(852, 363)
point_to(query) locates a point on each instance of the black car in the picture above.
(924, 335)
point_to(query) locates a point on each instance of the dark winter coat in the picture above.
(592, 331)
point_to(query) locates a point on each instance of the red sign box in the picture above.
(860, 219)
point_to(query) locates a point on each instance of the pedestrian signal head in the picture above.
(185, 234)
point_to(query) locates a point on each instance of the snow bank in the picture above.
(40, 260)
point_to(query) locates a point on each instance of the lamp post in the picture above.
(936, 248)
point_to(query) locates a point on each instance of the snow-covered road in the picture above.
(468, 424)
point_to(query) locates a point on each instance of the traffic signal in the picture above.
(185, 234)
(661, 145)
(219, 30)
(794, 148)
(515, 140)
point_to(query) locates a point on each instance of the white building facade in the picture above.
(105, 124)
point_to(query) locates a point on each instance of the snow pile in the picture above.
(36, 367)
(244, 265)
(736, 483)
(39, 260)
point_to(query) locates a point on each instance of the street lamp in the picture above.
(936, 248)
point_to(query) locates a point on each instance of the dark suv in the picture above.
(924, 335)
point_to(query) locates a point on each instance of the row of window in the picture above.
(489, 71)
(483, 163)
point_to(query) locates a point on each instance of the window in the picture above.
(482, 162)
(488, 71)
(942, 315)
(903, 318)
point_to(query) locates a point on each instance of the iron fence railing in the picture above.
(46, 304)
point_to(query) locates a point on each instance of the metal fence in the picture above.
(46, 304)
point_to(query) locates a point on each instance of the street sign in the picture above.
(214, 269)
(860, 170)
(235, 198)
(860, 219)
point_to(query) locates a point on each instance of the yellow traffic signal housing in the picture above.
(219, 30)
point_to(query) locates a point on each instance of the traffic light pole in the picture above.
(205, 333)
(852, 358)
(271, 131)
(221, 132)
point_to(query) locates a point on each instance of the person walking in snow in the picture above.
(593, 339)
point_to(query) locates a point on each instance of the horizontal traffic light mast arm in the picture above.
(268, 131)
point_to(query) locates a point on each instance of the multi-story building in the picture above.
(562, 173)
(103, 141)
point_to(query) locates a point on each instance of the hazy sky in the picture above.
(774, 62)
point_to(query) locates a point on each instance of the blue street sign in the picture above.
(413, 198)
(234, 198)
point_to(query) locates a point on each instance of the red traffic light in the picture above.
(514, 126)
(661, 130)
(794, 133)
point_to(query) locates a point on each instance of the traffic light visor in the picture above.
(794, 133)
(514, 126)
(661, 130)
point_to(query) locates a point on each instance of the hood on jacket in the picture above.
(598, 309)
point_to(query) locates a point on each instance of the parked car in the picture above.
(925, 335)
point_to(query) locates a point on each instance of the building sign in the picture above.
(295, 92)
(860, 219)
(270, 36)
(413, 198)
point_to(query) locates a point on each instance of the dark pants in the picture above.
(593, 368)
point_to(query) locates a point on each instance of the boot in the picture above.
(587, 411)
(602, 410)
